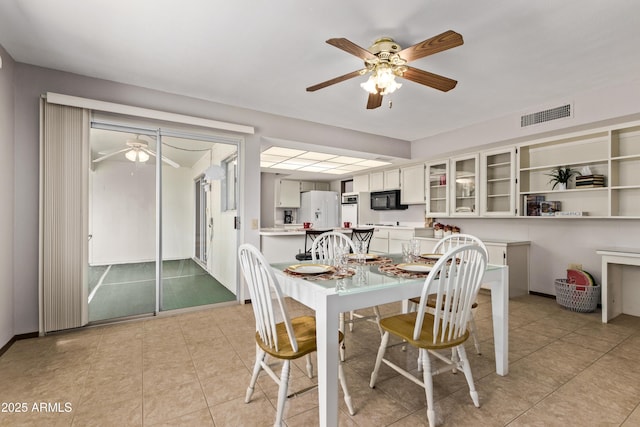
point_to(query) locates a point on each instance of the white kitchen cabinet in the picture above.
(391, 179)
(360, 183)
(436, 176)
(287, 193)
(307, 186)
(312, 185)
(498, 183)
(412, 185)
(514, 254)
(376, 181)
(379, 241)
(397, 238)
(463, 185)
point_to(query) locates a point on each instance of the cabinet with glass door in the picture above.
(497, 195)
(463, 186)
(436, 178)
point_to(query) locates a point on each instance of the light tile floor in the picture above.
(566, 369)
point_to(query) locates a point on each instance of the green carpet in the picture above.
(129, 289)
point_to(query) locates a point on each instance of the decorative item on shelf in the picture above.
(549, 208)
(532, 204)
(590, 181)
(560, 176)
(447, 230)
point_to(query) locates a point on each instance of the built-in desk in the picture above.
(617, 298)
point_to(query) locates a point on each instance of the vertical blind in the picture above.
(63, 218)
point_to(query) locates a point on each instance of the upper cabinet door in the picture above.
(376, 181)
(287, 193)
(361, 183)
(498, 176)
(391, 179)
(463, 185)
(412, 185)
(436, 176)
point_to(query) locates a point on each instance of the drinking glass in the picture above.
(406, 251)
(360, 252)
(340, 258)
(415, 248)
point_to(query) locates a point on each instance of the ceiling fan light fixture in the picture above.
(382, 80)
(136, 155)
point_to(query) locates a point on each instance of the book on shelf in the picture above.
(589, 181)
(589, 185)
(570, 213)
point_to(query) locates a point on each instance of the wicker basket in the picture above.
(577, 297)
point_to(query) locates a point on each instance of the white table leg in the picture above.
(500, 312)
(327, 339)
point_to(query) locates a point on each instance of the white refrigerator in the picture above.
(319, 208)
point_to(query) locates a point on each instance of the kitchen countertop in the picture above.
(293, 231)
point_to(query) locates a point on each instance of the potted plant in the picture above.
(560, 176)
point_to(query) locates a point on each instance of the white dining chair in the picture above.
(287, 340)
(455, 281)
(442, 247)
(324, 247)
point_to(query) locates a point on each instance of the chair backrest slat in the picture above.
(454, 240)
(362, 235)
(455, 281)
(324, 245)
(264, 291)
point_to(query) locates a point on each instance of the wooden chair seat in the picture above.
(402, 326)
(304, 329)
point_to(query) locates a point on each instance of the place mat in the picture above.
(393, 270)
(348, 272)
(375, 261)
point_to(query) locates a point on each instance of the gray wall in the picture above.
(31, 82)
(7, 203)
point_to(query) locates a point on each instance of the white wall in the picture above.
(123, 213)
(7, 204)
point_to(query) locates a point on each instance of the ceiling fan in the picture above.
(136, 150)
(385, 60)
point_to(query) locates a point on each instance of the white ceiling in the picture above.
(263, 54)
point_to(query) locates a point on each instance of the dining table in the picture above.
(366, 283)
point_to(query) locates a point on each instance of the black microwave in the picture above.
(386, 200)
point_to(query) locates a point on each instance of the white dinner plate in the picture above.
(310, 268)
(367, 257)
(434, 257)
(415, 267)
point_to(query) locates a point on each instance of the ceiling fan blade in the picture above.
(336, 80)
(374, 100)
(352, 48)
(444, 41)
(106, 156)
(429, 79)
(164, 159)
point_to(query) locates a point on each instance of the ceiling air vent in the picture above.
(546, 115)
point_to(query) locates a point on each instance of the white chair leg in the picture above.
(309, 366)
(428, 386)
(474, 333)
(381, 351)
(282, 392)
(376, 311)
(260, 354)
(351, 319)
(345, 390)
(466, 368)
(342, 344)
